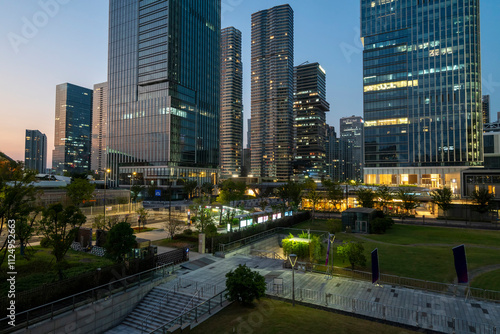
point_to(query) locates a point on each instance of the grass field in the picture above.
(39, 269)
(489, 280)
(269, 316)
(425, 252)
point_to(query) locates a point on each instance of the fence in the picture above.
(400, 315)
(50, 310)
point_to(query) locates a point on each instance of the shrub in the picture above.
(45, 242)
(334, 225)
(381, 225)
(245, 285)
(188, 232)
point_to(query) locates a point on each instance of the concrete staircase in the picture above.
(149, 314)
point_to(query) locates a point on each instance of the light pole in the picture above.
(293, 259)
(130, 193)
(105, 183)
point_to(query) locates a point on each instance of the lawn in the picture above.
(317, 224)
(39, 269)
(413, 234)
(179, 241)
(425, 252)
(488, 281)
(273, 317)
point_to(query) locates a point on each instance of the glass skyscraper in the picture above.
(231, 104)
(422, 90)
(351, 138)
(72, 129)
(272, 93)
(309, 108)
(35, 152)
(164, 83)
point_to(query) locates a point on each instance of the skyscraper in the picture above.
(422, 90)
(332, 154)
(231, 112)
(486, 109)
(72, 129)
(99, 124)
(272, 93)
(35, 153)
(351, 135)
(310, 125)
(164, 90)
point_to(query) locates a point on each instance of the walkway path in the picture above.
(412, 307)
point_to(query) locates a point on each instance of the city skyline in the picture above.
(49, 54)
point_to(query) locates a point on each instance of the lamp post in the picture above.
(293, 259)
(105, 183)
(130, 193)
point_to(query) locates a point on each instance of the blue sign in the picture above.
(158, 193)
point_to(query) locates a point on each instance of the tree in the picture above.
(206, 189)
(143, 216)
(120, 241)
(482, 199)
(17, 200)
(366, 197)
(245, 285)
(408, 200)
(353, 252)
(25, 229)
(135, 190)
(231, 191)
(442, 198)
(314, 197)
(79, 190)
(189, 187)
(60, 226)
(203, 219)
(292, 193)
(385, 196)
(335, 192)
(173, 225)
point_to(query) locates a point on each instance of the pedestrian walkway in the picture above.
(407, 306)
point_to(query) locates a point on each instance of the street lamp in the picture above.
(130, 193)
(293, 259)
(105, 183)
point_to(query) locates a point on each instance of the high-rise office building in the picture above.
(249, 133)
(486, 109)
(72, 129)
(99, 124)
(422, 91)
(351, 134)
(231, 105)
(272, 93)
(310, 121)
(164, 90)
(332, 154)
(35, 152)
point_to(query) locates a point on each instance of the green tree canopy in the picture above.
(60, 225)
(120, 241)
(408, 199)
(385, 196)
(442, 198)
(482, 198)
(366, 197)
(353, 252)
(79, 190)
(245, 285)
(136, 190)
(335, 192)
(189, 187)
(291, 192)
(231, 191)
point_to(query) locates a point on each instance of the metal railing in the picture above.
(50, 310)
(266, 254)
(158, 308)
(232, 246)
(193, 314)
(204, 288)
(420, 319)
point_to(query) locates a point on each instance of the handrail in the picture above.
(176, 320)
(158, 306)
(264, 253)
(196, 294)
(92, 291)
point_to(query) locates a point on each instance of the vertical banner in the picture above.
(328, 250)
(375, 267)
(461, 264)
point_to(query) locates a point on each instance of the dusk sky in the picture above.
(69, 44)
